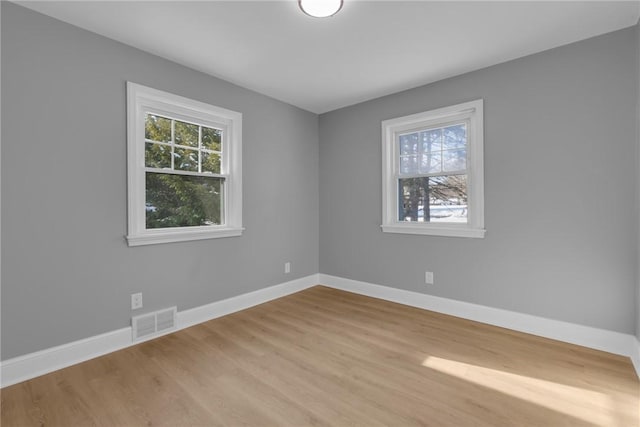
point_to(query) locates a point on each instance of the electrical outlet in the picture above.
(287, 267)
(428, 277)
(136, 301)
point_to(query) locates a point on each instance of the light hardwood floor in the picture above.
(326, 357)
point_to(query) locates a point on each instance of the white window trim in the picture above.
(142, 99)
(473, 113)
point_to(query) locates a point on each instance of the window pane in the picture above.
(454, 160)
(409, 144)
(185, 159)
(431, 163)
(157, 128)
(408, 164)
(455, 136)
(183, 201)
(157, 156)
(211, 139)
(210, 162)
(433, 199)
(186, 134)
(431, 140)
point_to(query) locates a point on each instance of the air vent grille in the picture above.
(153, 324)
(166, 319)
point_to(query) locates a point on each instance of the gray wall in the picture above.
(559, 165)
(560, 140)
(67, 272)
(638, 179)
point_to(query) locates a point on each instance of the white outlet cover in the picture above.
(136, 301)
(428, 277)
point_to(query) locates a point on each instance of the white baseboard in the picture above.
(599, 339)
(32, 365)
(42, 362)
(216, 309)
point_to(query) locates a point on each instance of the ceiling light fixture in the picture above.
(320, 8)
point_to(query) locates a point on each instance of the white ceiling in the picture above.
(369, 49)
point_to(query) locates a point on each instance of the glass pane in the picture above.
(183, 201)
(157, 156)
(455, 136)
(409, 144)
(431, 163)
(210, 162)
(431, 140)
(454, 160)
(408, 164)
(185, 159)
(433, 199)
(186, 134)
(211, 139)
(157, 128)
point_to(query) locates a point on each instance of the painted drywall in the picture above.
(638, 180)
(559, 165)
(67, 271)
(559, 127)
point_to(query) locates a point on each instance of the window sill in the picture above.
(173, 235)
(433, 230)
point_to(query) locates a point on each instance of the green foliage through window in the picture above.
(183, 200)
(173, 198)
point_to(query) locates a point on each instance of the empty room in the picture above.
(320, 213)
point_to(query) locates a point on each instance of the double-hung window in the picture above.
(433, 172)
(184, 168)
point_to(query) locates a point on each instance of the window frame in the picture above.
(470, 112)
(142, 100)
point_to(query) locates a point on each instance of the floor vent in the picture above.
(154, 324)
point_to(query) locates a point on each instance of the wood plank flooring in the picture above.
(324, 357)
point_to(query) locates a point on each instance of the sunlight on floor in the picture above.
(590, 406)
